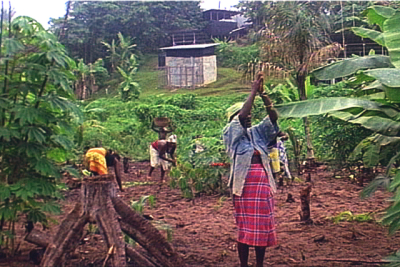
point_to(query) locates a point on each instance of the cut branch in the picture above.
(146, 235)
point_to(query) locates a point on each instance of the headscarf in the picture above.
(233, 110)
(172, 138)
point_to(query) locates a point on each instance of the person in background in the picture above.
(274, 159)
(283, 137)
(251, 180)
(162, 131)
(160, 150)
(98, 159)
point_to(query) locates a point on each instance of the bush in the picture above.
(234, 56)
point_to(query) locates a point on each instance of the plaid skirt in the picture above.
(254, 210)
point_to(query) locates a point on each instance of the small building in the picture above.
(188, 66)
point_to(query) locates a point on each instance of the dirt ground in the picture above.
(204, 231)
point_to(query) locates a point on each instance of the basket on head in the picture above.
(161, 122)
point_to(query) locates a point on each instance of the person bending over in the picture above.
(159, 152)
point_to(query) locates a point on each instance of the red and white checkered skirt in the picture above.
(254, 210)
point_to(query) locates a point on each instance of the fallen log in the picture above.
(38, 238)
(138, 258)
(146, 235)
(43, 239)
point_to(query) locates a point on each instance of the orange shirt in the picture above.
(96, 159)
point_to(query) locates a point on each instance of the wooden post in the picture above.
(305, 212)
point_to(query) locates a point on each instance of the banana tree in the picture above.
(296, 36)
(86, 77)
(378, 109)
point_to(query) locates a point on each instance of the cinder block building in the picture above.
(188, 66)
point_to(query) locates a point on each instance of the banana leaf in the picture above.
(392, 38)
(375, 36)
(386, 76)
(384, 126)
(378, 14)
(350, 66)
(320, 106)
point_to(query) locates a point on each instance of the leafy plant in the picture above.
(138, 205)
(37, 116)
(348, 216)
(235, 56)
(379, 114)
(201, 172)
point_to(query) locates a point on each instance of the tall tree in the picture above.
(296, 36)
(146, 23)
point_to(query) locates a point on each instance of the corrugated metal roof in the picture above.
(195, 46)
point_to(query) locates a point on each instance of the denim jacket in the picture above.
(240, 144)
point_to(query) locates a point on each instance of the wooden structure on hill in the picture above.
(188, 66)
(355, 45)
(218, 24)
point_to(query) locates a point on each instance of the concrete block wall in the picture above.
(186, 72)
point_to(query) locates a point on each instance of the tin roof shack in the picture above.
(189, 65)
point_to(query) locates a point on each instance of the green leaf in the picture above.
(36, 134)
(46, 187)
(392, 38)
(320, 106)
(57, 154)
(31, 150)
(5, 134)
(26, 114)
(63, 141)
(72, 171)
(395, 182)
(58, 102)
(387, 76)
(350, 66)
(5, 192)
(371, 156)
(51, 207)
(391, 162)
(12, 46)
(309, 87)
(375, 36)
(377, 124)
(378, 14)
(57, 57)
(36, 215)
(380, 181)
(45, 167)
(374, 85)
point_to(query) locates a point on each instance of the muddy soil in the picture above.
(204, 232)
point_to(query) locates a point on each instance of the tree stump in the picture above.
(305, 211)
(96, 205)
(126, 164)
(99, 203)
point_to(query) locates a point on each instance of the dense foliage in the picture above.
(91, 23)
(377, 110)
(36, 116)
